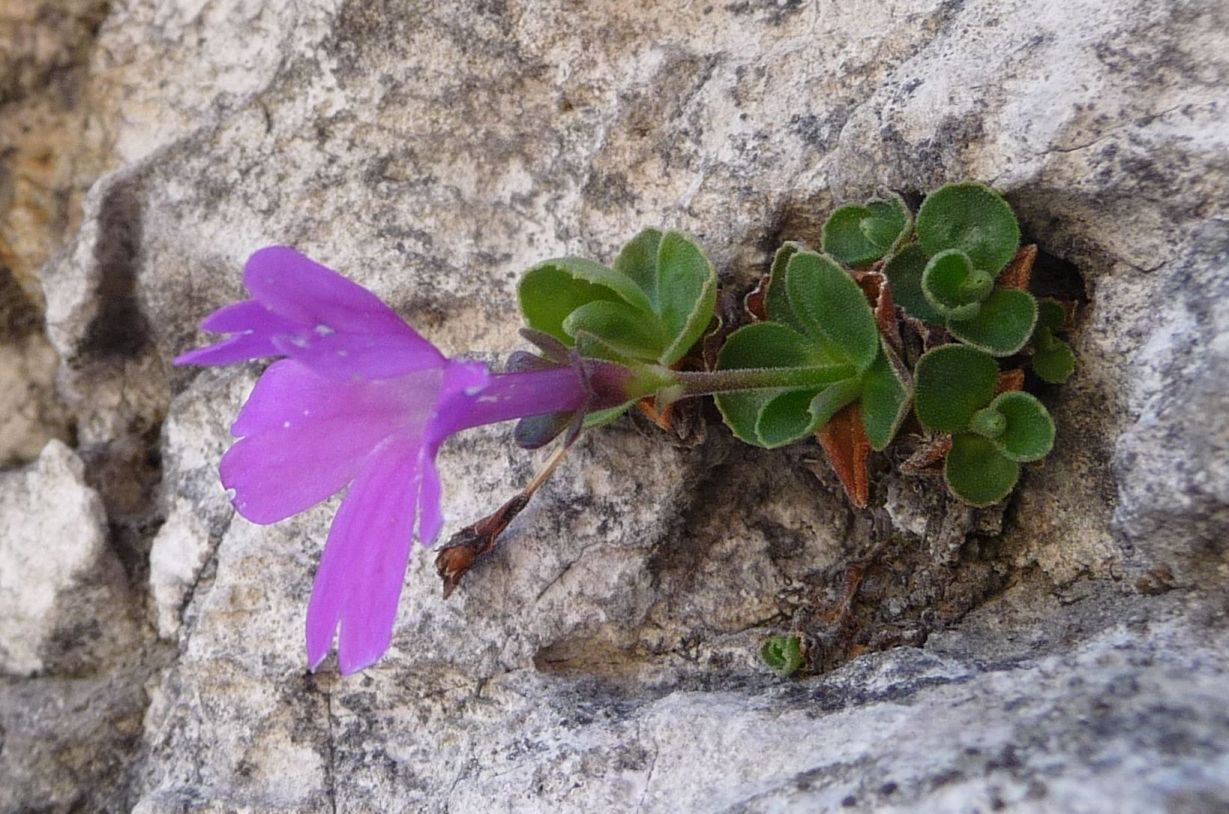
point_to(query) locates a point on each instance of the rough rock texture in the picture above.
(1068, 653)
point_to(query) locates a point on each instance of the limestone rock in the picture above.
(605, 656)
(57, 575)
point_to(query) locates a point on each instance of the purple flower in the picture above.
(359, 399)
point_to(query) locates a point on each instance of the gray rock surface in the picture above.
(1068, 653)
(60, 582)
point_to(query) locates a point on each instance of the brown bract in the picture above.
(879, 294)
(1019, 272)
(1009, 381)
(844, 440)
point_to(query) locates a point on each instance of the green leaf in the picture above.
(951, 285)
(1002, 326)
(950, 384)
(1029, 433)
(741, 412)
(620, 327)
(638, 261)
(1050, 315)
(757, 346)
(832, 307)
(976, 472)
(785, 418)
(885, 400)
(686, 293)
(832, 399)
(783, 654)
(904, 272)
(1055, 363)
(971, 218)
(550, 291)
(857, 235)
(770, 345)
(776, 299)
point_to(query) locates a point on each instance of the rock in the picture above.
(60, 585)
(605, 656)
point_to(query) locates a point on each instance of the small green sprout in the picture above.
(783, 654)
(991, 435)
(822, 341)
(1052, 358)
(857, 235)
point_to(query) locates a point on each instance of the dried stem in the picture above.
(454, 559)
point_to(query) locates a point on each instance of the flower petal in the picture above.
(357, 356)
(255, 328)
(430, 514)
(341, 328)
(358, 583)
(294, 286)
(238, 348)
(246, 316)
(305, 436)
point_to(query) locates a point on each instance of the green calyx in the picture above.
(783, 654)
(991, 435)
(821, 348)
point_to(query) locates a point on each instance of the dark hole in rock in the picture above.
(119, 328)
(1054, 276)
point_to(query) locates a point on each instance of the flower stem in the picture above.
(702, 383)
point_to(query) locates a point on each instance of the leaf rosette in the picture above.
(967, 235)
(991, 435)
(824, 350)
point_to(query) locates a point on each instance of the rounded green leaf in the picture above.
(768, 344)
(686, 293)
(950, 384)
(776, 300)
(741, 412)
(904, 273)
(1055, 363)
(1028, 434)
(857, 235)
(783, 654)
(832, 307)
(1050, 315)
(832, 399)
(630, 333)
(549, 292)
(946, 285)
(885, 400)
(1002, 326)
(971, 218)
(785, 418)
(976, 472)
(638, 261)
(760, 345)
